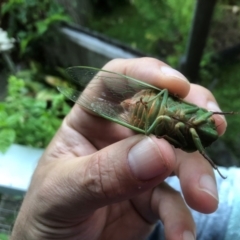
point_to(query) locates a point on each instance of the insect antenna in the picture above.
(226, 113)
(212, 164)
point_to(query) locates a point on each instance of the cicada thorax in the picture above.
(142, 109)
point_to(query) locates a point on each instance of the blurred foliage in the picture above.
(225, 86)
(103, 6)
(4, 236)
(230, 2)
(222, 75)
(33, 109)
(31, 113)
(30, 22)
(155, 27)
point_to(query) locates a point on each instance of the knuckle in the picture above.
(93, 182)
(100, 178)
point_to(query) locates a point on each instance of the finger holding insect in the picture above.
(202, 97)
(197, 181)
(195, 173)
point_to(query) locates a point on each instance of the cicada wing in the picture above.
(81, 75)
(100, 106)
(124, 85)
(105, 92)
(70, 93)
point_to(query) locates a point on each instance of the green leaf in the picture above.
(31, 114)
(42, 27)
(7, 137)
(4, 236)
(25, 42)
(3, 119)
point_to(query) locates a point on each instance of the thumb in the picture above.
(120, 171)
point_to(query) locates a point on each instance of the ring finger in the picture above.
(169, 205)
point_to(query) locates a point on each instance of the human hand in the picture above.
(98, 180)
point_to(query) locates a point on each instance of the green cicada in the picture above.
(144, 108)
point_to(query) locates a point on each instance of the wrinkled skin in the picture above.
(99, 180)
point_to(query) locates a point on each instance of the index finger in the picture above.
(152, 71)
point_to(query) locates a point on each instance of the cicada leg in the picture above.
(178, 127)
(164, 94)
(200, 148)
(165, 123)
(203, 118)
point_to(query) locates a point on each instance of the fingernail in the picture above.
(213, 107)
(145, 160)
(187, 235)
(172, 73)
(208, 185)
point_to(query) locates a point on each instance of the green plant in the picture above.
(30, 114)
(155, 27)
(222, 80)
(168, 25)
(3, 236)
(30, 20)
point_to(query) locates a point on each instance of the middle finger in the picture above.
(166, 204)
(197, 181)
